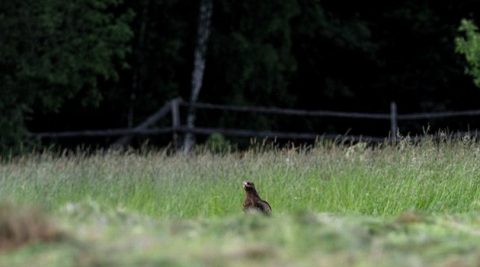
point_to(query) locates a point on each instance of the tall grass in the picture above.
(385, 180)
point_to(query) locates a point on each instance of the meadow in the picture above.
(333, 205)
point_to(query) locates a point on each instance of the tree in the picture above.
(469, 46)
(204, 19)
(249, 60)
(53, 50)
(251, 49)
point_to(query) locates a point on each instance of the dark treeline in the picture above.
(99, 64)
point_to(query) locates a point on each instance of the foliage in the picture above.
(58, 57)
(160, 60)
(54, 50)
(469, 46)
(217, 143)
(261, 51)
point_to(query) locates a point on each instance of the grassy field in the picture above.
(409, 205)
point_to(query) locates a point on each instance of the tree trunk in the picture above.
(203, 32)
(138, 63)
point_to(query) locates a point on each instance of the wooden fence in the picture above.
(176, 128)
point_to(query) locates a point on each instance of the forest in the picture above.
(106, 64)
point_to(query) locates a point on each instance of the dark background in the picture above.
(100, 64)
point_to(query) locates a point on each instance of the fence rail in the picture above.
(295, 112)
(104, 133)
(437, 115)
(205, 131)
(176, 128)
(337, 114)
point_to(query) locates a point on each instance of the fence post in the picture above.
(175, 121)
(393, 122)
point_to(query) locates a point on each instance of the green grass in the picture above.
(333, 206)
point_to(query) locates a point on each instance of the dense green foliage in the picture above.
(469, 46)
(53, 50)
(58, 58)
(332, 206)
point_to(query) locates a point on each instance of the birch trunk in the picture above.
(203, 32)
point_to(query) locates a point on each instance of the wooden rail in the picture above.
(205, 131)
(294, 112)
(173, 106)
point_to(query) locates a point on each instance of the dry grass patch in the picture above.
(21, 226)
